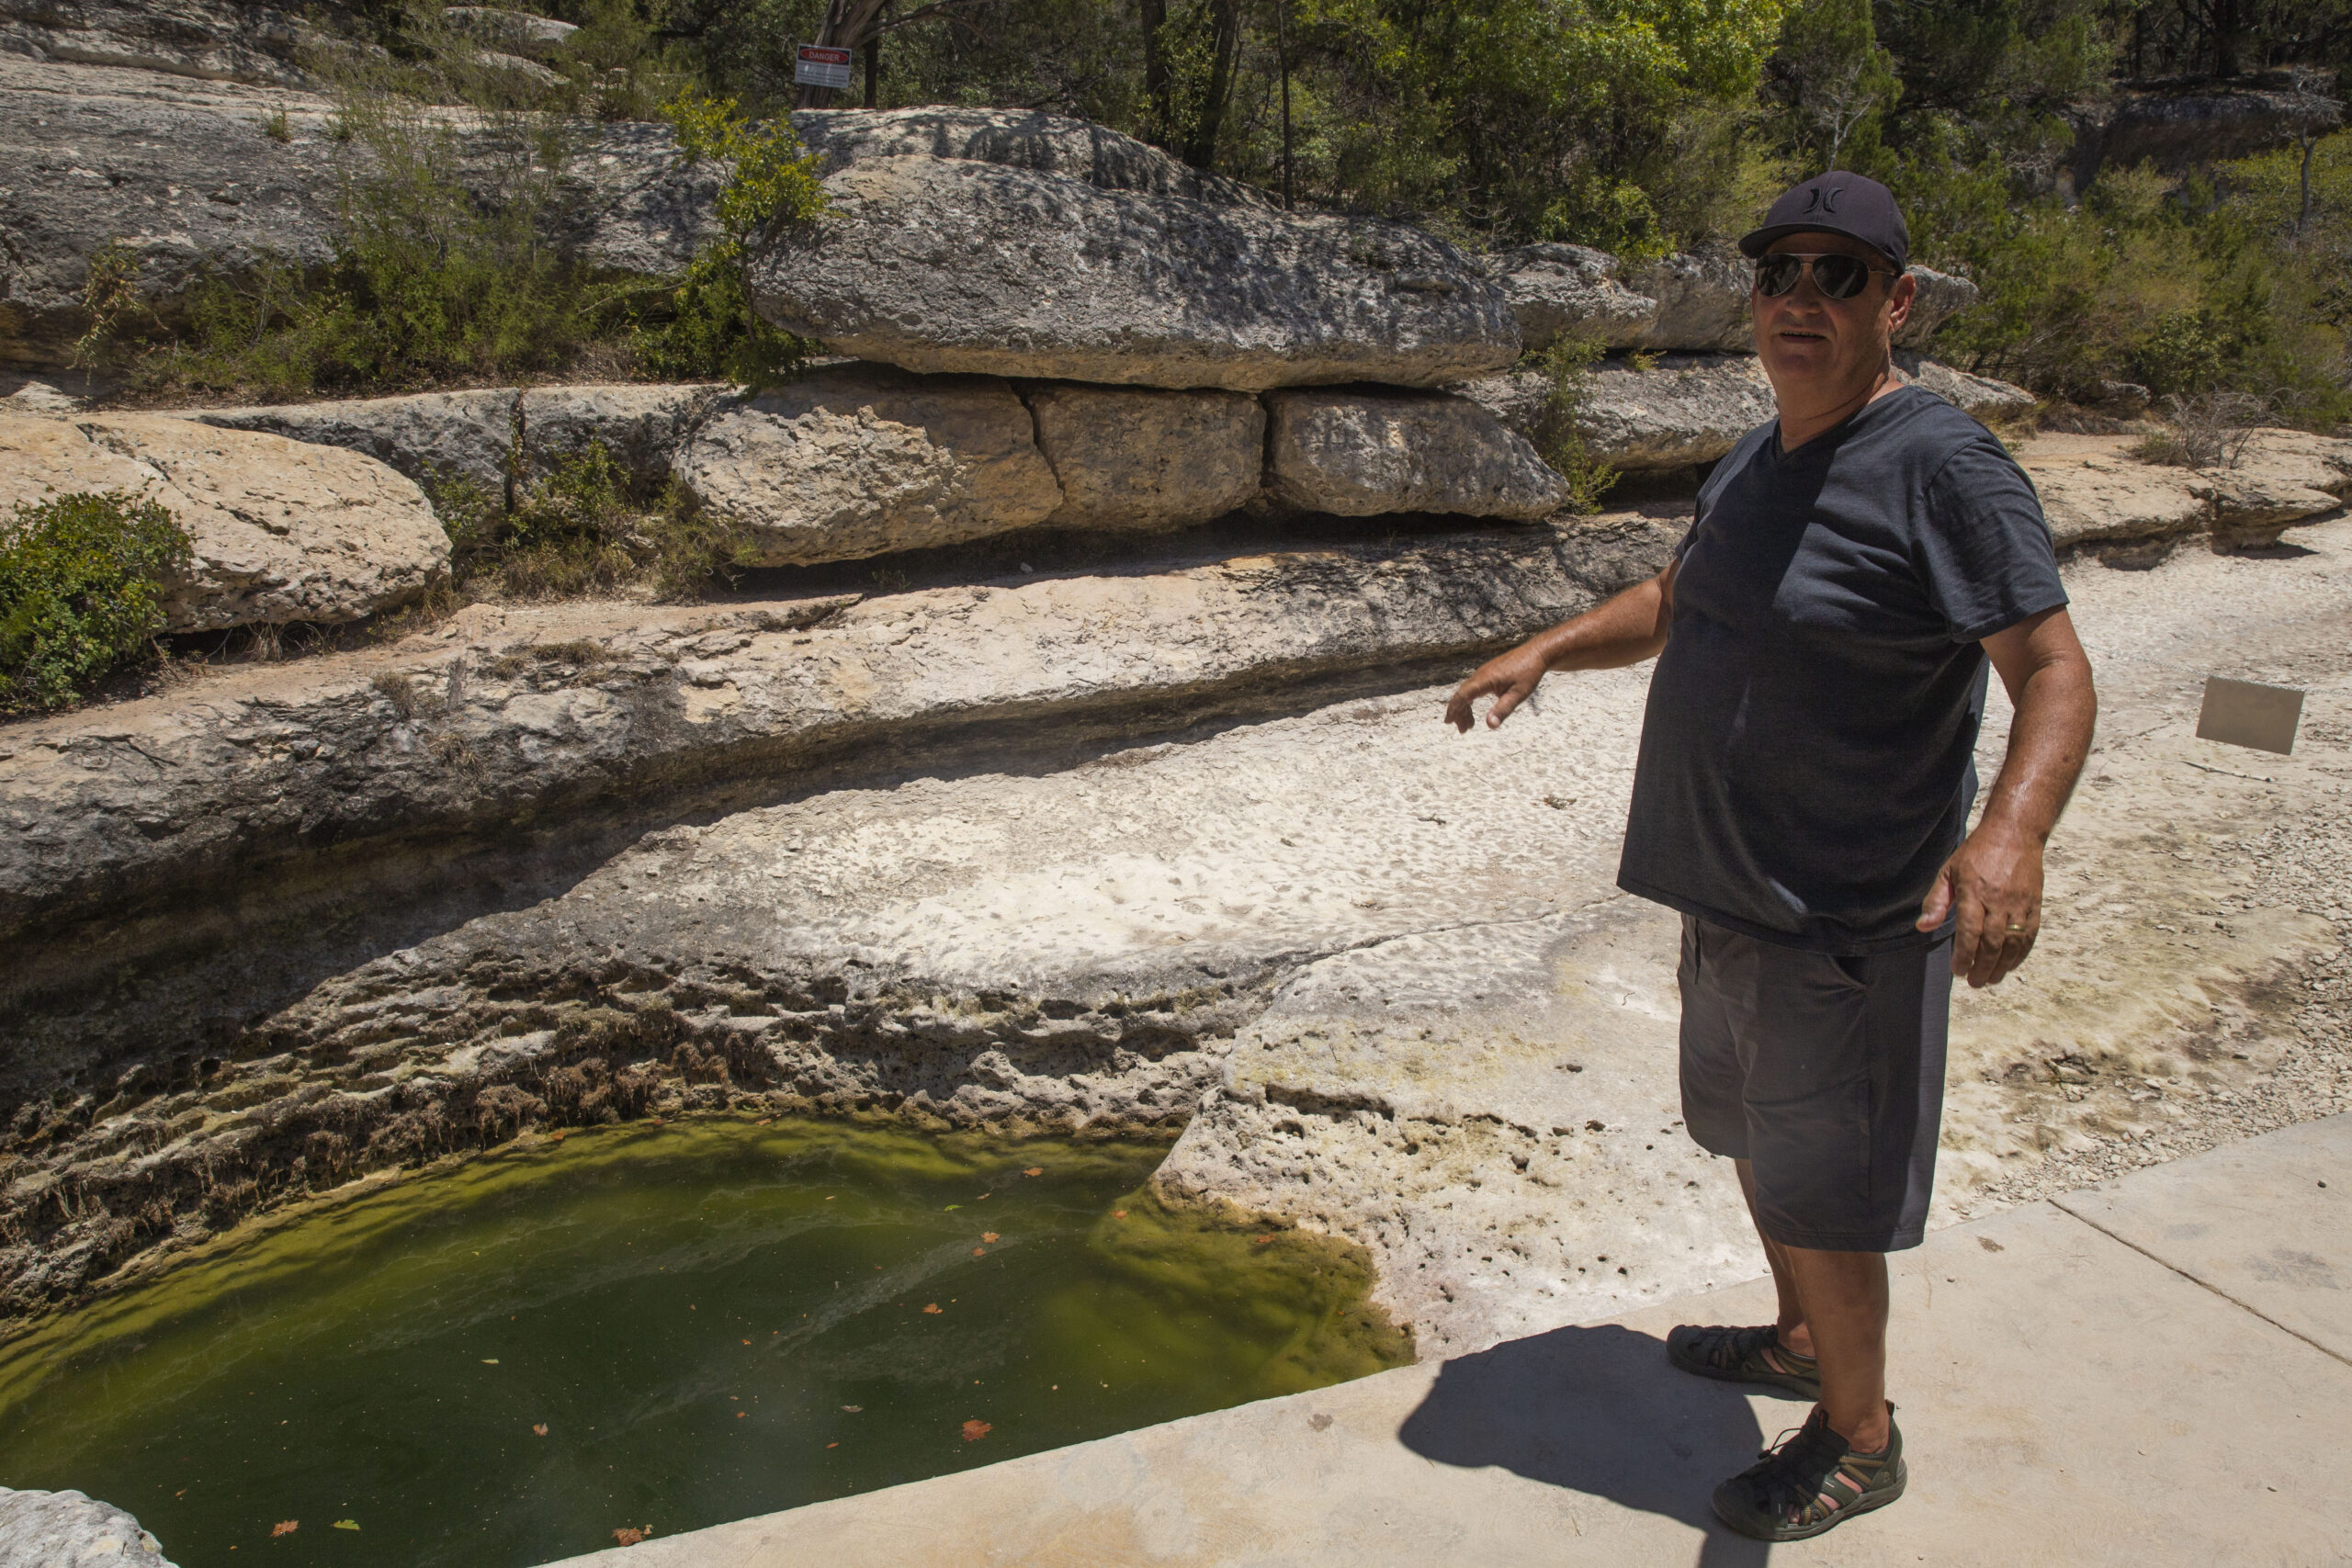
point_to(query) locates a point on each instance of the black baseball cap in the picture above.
(1836, 203)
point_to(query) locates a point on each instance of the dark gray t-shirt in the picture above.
(1808, 758)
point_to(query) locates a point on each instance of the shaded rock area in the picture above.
(1130, 457)
(2184, 126)
(1560, 291)
(860, 459)
(945, 266)
(65, 1529)
(486, 436)
(1018, 139)
(282, 530)
(1355, 453)
(187, 175)
(207, 40)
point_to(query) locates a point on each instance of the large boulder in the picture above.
(859, 459)
(478, 437)
(1137, 457)
(1570, 291)
(1017, 139)
(513, 33)
(282, 531)
(947, 266)
(1981, 397)
(1358, 451)
(1703, 300)
(66, 1530)
(1939, 297)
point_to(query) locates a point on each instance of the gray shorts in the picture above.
(1827, 1074)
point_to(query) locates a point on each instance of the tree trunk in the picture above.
(1157, 98)
(872, 71)
(1208, 115)
(1281, 54)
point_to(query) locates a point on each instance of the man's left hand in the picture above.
(1993, 883)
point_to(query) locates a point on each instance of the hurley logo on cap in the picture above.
(1823, 198)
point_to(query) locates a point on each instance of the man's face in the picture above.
(1824, 347)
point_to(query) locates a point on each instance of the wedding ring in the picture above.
(2016, 928)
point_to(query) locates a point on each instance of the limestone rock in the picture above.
(1558, 291)
(515, 32)
(2281, 478)
(1017, 139)
(1357, 451)
(1980, 397)
(947, 266)
(183, 174)
(282, 531)
(66, 1530)
(434, 437)
(1686, 409)
(1703, 300)
(1135, 458)
(207, 40)
(2094, 492)
(858, 460)
(1939, 297)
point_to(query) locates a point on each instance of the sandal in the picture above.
(1812, 1482)
(1740, 1355)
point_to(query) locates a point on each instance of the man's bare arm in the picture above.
(1994, 880)
(1621, 630)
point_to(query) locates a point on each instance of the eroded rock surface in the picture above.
(66, 1530)
(478, 435)
(1017, 139)
(1132, 459)
(209, 40)
(2096, 493)
(282, 530)
(858, 460)
(1570, 291)
(949, 266)
(1360, 451)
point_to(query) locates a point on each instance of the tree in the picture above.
(1832, 78)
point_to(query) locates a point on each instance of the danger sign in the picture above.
(822, 66)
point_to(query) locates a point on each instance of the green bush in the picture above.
(82, 585)
(1567, 365)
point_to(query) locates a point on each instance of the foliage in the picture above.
(82, 584)
(1567, 365)
(771, 180)
(579, 529)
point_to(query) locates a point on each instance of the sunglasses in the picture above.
(1839, 277)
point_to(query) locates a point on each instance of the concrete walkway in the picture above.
(2155, 1371)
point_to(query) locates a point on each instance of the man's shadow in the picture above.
(1599, 1410)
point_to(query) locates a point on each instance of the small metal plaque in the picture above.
(2245, 713)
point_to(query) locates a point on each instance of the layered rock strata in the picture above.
(66, 1530)
(489, 436)
(2096, 494)
(282, 530)
(940, 265)
(1356, 453)
(1130, 457)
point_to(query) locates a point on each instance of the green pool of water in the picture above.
(708, 1320)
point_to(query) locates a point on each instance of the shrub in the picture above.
(1567, 364)
(82, 585)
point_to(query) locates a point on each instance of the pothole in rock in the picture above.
(656, 1328)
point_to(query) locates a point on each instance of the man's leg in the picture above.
(1844, 1302)
(1795, 1335)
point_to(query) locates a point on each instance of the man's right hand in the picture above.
(1509, 677)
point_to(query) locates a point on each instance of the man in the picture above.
(1801, 797)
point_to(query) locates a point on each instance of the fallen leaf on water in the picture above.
(628, 1535)
(951, 1208)
(1118, 1214)
(285, 1526)
(979, 1252)
(975, 1430)
(747, 1342)
(490, 1361)
(740, 1414)
(763, 1121)
(346, 1524)
(988, 1236)
(982, 1195)
(1034, 1170)
(541, 1427)
(855, 1409)
(1264, 1239)
(933, 1307)
(832, 1445)
(181, 1493)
